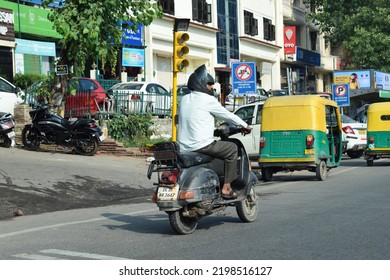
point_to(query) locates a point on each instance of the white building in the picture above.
(221, 32)
(288, 51)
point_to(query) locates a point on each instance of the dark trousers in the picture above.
(226, 151)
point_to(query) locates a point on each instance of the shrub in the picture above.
(25, 80)
(131, 130)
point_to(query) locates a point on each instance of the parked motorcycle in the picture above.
(190, 183)
(48, 128)
(7, 130)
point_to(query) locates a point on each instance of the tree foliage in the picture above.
(360, 28)
(91, 29)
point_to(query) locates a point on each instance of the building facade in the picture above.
(288, 51)
(225, 31)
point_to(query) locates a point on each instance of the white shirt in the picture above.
(196, 120)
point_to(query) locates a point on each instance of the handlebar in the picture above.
(225, 130)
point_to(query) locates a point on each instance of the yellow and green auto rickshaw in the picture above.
(378, 132)
(300, 132)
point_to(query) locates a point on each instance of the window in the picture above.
(246, 113)
(227, 43)
(168, 6)
(250, 24)
(201, 11)
(331, 118)
(269, 30)
(6, 87)
(313, 40)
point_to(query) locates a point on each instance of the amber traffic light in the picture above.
(180, 50)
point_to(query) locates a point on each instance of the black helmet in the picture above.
(199, 79)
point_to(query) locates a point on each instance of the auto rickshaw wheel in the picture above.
(266, 174)
(322, 171)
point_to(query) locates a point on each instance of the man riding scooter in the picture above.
(196, 126)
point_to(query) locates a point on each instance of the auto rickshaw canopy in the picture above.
(297, 112)
(378, 117)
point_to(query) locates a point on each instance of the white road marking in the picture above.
(81, 254)
(68, 253)
(34, 257)
(4, 235)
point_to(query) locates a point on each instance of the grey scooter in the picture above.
(7, 130)
(189, 183)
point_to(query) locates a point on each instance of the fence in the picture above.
(83, 104)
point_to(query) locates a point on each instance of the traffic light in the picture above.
(180, 50)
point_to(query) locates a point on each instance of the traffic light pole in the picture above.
(174, 107)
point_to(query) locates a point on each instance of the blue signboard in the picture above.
(340, 94)
(133, 38)
(133, 57)
(308, 57)
(54, 4)
(382, 80)
(244, 78)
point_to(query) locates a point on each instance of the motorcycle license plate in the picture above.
(167, 194)
(11, 134)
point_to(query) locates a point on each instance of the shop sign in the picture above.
(289, 39)
(7, 31)
(35, 47)
(133, 57)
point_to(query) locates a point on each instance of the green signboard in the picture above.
(384, 93)
(31, 20)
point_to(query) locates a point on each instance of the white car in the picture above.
(251, 114)
(9, 96)
(142, 97)
(233, 102)
(355, 137)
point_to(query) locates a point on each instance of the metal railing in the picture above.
(120, 102)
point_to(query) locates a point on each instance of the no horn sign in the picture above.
(340, 94)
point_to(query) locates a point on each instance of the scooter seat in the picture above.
(188, 159)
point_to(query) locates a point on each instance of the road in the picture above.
(300, 218)
(37, 182)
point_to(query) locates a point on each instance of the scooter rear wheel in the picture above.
(30, 138)
(181, 224)
(247, 208)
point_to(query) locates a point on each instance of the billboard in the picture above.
(356, 79)
(133, 57)
(382, 80)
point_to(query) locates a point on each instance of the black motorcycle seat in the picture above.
(188, 159)
(79, 122)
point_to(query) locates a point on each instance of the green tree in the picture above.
(359, 28)
(91, 29)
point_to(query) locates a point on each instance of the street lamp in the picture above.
(181, 24)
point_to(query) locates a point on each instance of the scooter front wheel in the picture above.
(247, 208)
(181, 224)
(30, 138)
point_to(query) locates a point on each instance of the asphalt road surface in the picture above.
(38, 182)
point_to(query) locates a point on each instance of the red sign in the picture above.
(290, 38)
